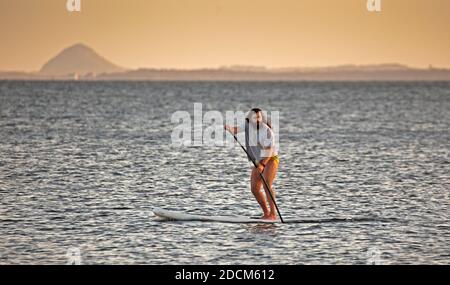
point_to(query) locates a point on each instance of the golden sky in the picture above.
(213, 33)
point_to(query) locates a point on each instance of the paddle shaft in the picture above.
(262, 178)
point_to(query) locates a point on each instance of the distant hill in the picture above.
(78, 59)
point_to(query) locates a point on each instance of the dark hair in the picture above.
(258, 110)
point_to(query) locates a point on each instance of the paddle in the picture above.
(262, 177)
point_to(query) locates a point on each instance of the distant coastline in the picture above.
(220, 74)
(80, 62)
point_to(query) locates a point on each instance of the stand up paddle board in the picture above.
(180, 216)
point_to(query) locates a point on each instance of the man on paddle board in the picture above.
(261, 148)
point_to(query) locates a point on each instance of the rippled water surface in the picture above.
(83, 164)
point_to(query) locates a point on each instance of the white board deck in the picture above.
(180, 216)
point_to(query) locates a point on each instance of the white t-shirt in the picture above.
(266, 139)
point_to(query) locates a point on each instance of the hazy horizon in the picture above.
(230, 66)
(211, 34)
